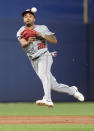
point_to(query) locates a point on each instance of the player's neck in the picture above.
(31, 27)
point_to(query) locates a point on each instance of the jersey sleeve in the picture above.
(18, 35)
(46, 31)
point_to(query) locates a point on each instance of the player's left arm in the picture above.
(51, 39)
(47, 34)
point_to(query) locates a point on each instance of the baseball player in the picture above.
(33, 38)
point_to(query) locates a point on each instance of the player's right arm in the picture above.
(25, 43)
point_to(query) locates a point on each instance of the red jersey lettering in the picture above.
(41, 45)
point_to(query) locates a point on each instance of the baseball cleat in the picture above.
(44, 102)
(77, 94)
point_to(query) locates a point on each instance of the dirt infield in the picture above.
(46, 119)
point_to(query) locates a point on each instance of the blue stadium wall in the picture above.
(91, 61)
(72, 66)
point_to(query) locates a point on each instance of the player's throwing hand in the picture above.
(54, 54)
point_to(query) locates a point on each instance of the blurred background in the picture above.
(73, 23)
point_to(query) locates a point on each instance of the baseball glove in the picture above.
(26, 34)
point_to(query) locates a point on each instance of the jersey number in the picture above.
(41, 45)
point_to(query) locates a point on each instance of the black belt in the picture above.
(38, 56)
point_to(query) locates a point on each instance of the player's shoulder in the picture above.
(20, 30)
(41, 26)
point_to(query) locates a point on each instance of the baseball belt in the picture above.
(38, 56)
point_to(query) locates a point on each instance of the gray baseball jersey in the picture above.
(37, 47)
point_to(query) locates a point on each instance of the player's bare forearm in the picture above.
(23, 43)
(51, 39)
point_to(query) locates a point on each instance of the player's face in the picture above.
(28, 19)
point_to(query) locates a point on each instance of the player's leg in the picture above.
(59, 87)
(44, 67)
(62, 88)
(42, 70)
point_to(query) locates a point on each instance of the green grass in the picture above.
(46, 127)
(74, 108)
